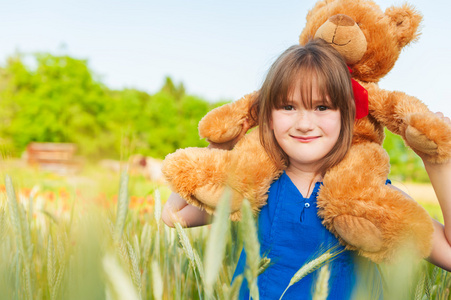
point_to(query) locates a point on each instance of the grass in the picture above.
(59, 241)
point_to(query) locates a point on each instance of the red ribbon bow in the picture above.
(360, 98)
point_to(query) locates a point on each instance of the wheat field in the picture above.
(61, 246)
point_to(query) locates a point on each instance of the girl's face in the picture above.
(306, 135)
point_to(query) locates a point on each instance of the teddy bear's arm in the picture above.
(201, 175)
(224, 123)
(428, 135)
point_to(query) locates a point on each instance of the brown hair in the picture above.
(315, 61)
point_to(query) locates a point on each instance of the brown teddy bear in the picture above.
(354, 202)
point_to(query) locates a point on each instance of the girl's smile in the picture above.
(306, 135)
(306, 139)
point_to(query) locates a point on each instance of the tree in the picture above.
(60, 100)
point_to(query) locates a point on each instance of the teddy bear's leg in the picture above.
(368, 215)
(189, 170)
(252, 171)
(202, 175)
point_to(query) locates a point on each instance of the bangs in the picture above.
(306, 78)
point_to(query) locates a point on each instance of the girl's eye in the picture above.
(322, 108)
(288, 107)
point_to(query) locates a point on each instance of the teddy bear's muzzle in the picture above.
(343, 33)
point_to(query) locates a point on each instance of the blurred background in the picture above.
(89, 89)
(119, 79)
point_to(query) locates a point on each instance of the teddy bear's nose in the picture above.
(342, 20)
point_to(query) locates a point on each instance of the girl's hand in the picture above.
(443, 117)
(177, 210)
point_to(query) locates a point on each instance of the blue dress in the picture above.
(291, 234)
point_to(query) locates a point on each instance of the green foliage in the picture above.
(405, 164)
(60, 100)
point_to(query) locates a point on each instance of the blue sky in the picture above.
(218, 49)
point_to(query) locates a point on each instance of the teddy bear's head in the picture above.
(369, 39)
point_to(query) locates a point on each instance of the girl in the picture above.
(305, 116)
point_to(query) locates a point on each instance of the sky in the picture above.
(220, 50)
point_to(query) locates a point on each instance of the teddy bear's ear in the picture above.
(405, 21)
(318, 6)
(309, 31)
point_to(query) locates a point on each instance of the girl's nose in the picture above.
(304, 121)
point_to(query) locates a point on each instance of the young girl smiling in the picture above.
(305, 112)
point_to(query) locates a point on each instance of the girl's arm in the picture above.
(177, 210)
(440, 176)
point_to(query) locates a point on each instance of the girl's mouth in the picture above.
(305, 139)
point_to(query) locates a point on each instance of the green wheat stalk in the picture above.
(322, 284)
(136, 247)
(157, 281)
(186, 245)
(192, 255)
(59, 245)
(216, 243)
(3, 223)
(199, 265)
(146, 242)
(248, 232)
(14, 214)
(157, 208)
(263, 265)
(122, 205)
(419, 290)
(136, 275)
(51, 267)
(157, 214)
(311, 266)
(122, 250)
(28, 246)
(235, 288)
(22, 233)
(119, 281)
(59, 278)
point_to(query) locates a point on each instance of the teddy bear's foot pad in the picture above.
(209, 194)
(420, 142)
(359, 232)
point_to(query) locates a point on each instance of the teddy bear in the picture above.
(355, 203)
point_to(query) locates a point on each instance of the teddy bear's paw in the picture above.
(221, 124)
(221, 134)
(212, 194)
(359, 232)
(429, 136)
(187, 170)
(420, 142)
(225, 123)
